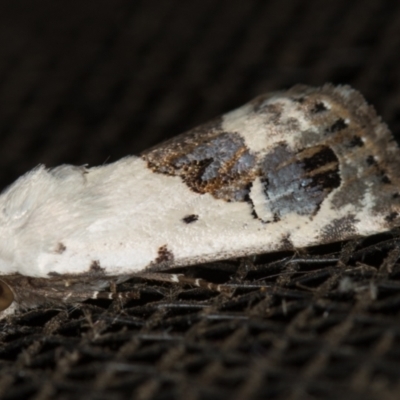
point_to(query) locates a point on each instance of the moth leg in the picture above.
(113, 295)
(182, 279)
(113, 287)
(246, 264)
(314, 259)
(78, 296)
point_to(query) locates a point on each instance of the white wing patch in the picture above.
(288, 170)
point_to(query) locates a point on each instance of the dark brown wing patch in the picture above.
(212, 161)
(190, 218)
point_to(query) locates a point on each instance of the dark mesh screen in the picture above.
(92, 81)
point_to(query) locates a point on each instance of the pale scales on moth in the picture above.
(287, 170)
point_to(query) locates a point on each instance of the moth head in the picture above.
(15, 212)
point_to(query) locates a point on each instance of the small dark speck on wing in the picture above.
(190, 218)
(371, 160)
(60, 248)
(95, 266)
(164, 255)
(392, 216)
(337, 126)
(318, 107)
(356, 142)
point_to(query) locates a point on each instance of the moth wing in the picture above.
(288, 170)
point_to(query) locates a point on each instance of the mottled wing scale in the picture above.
(319, 154)
(288, 170)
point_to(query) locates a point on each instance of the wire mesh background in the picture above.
(92, 81)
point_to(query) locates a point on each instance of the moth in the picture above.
(288, 170)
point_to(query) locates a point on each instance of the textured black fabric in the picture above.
(87, 82)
